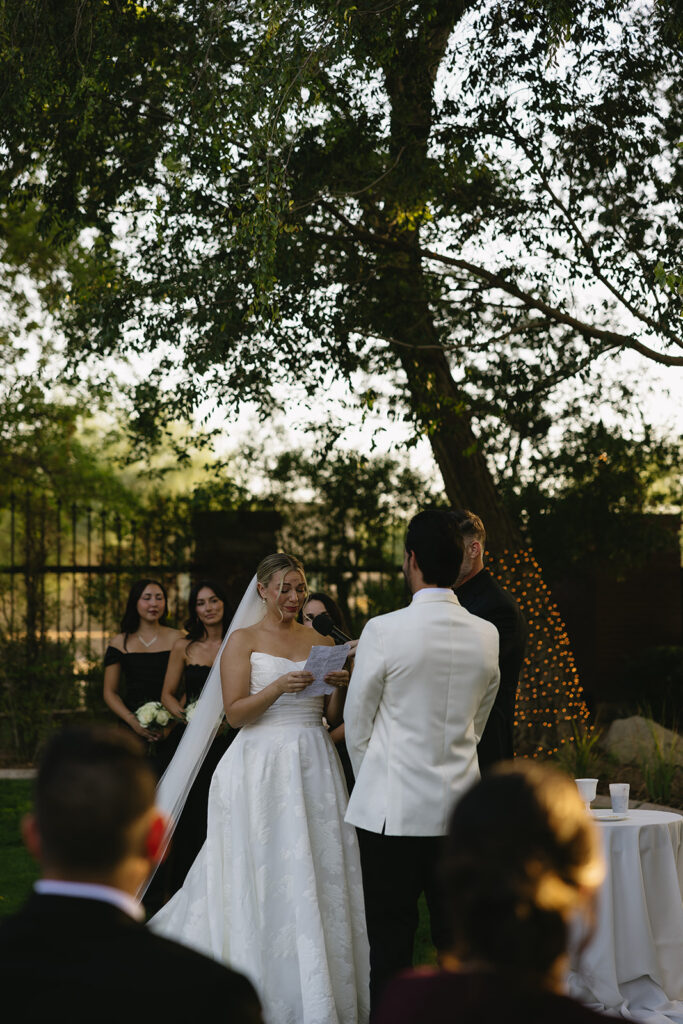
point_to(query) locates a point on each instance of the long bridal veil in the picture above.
(177, 780)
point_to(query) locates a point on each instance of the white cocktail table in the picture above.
(633, 965)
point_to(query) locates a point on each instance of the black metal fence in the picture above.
(66, 569)
(65, 572)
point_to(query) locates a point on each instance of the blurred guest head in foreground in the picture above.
(94, 817)
(78, 949)
(522, 859)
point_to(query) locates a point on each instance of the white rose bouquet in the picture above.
(153, 714)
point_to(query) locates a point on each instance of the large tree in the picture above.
(450, 194)
(468, 199)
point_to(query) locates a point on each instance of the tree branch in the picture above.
(609, 339)
(585, 245)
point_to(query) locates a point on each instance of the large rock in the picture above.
(632, 740)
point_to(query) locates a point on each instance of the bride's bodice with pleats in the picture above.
(291, 708)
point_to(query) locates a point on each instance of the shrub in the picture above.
(36, 680)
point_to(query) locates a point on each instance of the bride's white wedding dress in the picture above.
(276, 890)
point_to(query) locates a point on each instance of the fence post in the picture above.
(12, 525)
(30, 579)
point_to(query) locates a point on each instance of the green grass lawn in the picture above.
(18, 871)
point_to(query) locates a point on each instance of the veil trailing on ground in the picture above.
(200, 732)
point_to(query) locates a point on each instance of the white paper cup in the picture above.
(587, 788)
(618, 792)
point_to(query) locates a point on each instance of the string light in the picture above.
(550, 696)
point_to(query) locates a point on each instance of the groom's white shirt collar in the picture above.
(432, 593)
(89, 891)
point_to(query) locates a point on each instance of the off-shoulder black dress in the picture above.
(142, 678)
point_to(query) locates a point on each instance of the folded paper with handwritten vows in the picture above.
(322, 660)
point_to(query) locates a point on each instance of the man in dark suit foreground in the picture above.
(480, 594)
(78, 949)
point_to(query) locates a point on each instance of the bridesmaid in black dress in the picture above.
(188, 668)
(135, 664)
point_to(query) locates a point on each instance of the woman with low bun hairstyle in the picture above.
(522, 859)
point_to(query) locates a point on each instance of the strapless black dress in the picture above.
(195, 677)
(190, 831)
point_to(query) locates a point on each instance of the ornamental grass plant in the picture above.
(660, 767)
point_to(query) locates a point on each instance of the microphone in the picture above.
(324, 625)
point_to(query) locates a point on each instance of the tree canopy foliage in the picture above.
(470, 199)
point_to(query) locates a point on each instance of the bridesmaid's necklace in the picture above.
(144, 642)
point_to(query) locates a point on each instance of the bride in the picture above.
(276, 889)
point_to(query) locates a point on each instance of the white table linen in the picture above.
(633, 965)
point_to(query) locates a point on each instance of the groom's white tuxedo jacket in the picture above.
(424, 680)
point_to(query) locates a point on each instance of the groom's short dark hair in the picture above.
(435, 539)
(92, 785)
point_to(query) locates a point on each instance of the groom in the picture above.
(424, 681)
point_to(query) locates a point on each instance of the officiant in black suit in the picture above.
(480, 594)
(78, 949)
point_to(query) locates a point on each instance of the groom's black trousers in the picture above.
(396, 870)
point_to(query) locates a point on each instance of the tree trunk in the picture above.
(458, 453)
(550, 699)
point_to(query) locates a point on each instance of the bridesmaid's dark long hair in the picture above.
(130, 621)
(194, 627)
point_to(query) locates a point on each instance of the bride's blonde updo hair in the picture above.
(520, 856)
(279, 562)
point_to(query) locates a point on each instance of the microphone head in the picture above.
(323, 624)
(326, 626)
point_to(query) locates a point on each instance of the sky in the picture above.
(662, 402)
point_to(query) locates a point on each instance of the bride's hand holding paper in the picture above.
(326, 665)
(295, 682)
(338, 679)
